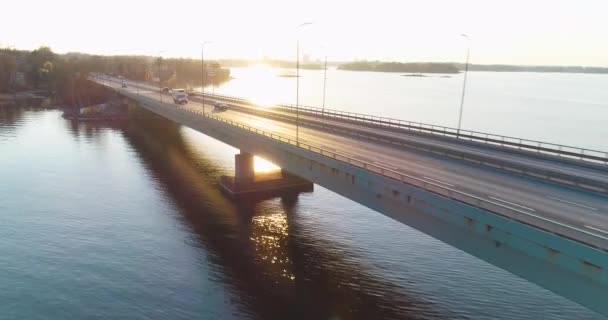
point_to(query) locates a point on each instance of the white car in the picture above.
(180, 96)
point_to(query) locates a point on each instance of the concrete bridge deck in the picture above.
(565, 170)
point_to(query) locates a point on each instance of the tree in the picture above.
(8, 69)
(37, 73)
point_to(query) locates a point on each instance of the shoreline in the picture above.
(25, 99)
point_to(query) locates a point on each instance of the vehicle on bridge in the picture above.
(165, 89)
(218, 106)
(180, 96)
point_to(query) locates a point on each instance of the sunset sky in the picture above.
(539, 32)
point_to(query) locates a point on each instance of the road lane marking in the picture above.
(511, 203)
(428, 164)
(439, 181)
(593, 234)
(563, 225)
(572, 203)
(385, 165)
(596, 229)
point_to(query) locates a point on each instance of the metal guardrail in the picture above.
(594, 156)
(538, 173)
(589, 155)
(551, 176)
(563, 230)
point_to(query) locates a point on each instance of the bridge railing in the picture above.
(512, 213)
(594, 156)
(570, 232)
(536, 221)
(583, 154)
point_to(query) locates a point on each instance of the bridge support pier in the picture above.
(244, 171)
(247, 184)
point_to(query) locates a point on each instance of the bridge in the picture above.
(537, 210)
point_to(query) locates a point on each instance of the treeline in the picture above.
(41, 69)
(21, 69)
(170, 71)
(61, 74)
(414, 67)
(188, 72)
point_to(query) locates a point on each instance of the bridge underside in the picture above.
(568, 268)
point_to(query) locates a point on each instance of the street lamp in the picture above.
(324, 85)
(464, 84)
(160, 82)
(136, 83)
(298, 84)
(203, 73)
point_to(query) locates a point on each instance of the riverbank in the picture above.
(25, 98)
(99, 104)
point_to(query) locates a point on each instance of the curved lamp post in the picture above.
(160, 82)
(464, 84)
(298, 83)
(203, 73)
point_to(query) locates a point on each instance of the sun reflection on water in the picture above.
(269, 235)
(262, 85)
(265, 101)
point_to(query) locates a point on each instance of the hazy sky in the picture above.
(544, 32)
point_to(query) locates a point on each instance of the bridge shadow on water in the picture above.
(256, 246)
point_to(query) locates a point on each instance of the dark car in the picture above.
(220, 106)
(124, 85)
(165, 89)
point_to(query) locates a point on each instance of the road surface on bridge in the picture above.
(584, 211)
(560, 170)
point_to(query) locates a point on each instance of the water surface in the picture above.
(127, 222)
(568, 109)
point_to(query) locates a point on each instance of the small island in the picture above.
(414, 68)
(288, 75)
